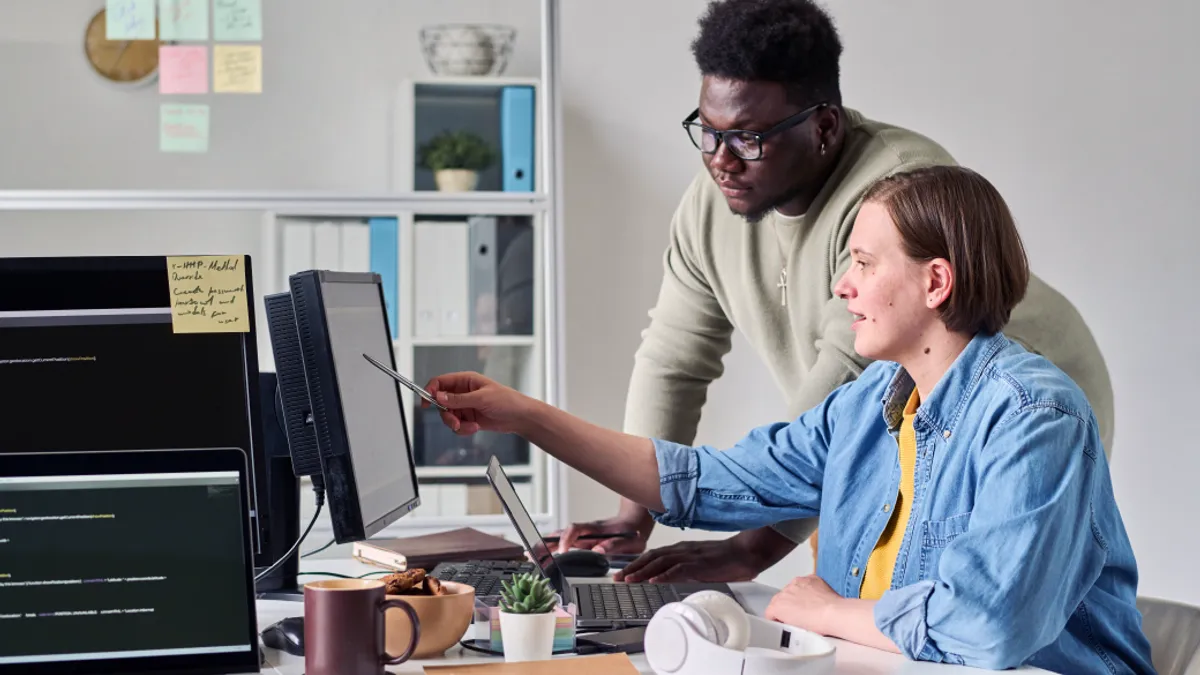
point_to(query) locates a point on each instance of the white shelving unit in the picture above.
(539, 350)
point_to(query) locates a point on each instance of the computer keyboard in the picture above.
(622, 601)
(484, 575)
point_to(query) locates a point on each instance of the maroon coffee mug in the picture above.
(344, 627)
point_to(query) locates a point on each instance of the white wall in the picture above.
(1081, 111)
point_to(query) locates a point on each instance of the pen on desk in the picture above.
(599, 535)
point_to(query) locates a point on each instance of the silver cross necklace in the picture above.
(782, 285)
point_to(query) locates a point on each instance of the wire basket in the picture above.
(467, 48)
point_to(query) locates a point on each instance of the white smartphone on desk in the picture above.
(407, 382)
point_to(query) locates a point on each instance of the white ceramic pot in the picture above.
(527, 637)
(456, 180)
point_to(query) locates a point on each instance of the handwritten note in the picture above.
(208, 294)
(182, 70)
(129, 20)
(183, 128)
(237, 20)
(237, 69)
(183, 19)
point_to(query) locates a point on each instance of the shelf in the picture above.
(294, 203)
(468, 471)
(476, 81)
(475, 341)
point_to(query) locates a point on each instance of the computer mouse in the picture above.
(581, 562)
(286, 635)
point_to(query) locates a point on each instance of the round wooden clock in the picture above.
(131, 62)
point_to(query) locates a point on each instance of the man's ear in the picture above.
(939, 282)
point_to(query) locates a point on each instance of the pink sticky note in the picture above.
(183, 69)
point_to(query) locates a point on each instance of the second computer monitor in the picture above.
(358, 411)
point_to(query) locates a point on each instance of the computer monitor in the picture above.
(357, 412)
(90, 361)
(126, 562)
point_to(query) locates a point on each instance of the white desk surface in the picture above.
(852, 659)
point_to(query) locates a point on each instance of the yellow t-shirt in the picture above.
(878, 576)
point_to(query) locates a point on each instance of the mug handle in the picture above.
(388, 659)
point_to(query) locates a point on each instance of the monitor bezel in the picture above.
(189, 460)
(341, 485)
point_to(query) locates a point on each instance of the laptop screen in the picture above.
(125, 560)
(526, 529)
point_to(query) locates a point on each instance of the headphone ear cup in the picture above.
(701, 622)
(666, 640)
(730, 621)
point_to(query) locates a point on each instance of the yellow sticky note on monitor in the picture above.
(237, 69)
(208, 294)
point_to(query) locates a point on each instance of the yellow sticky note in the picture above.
(208, 294)
(237, 69)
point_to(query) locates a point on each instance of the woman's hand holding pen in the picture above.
(476, 403)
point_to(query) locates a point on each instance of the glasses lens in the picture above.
(706, 141)
(746, 146)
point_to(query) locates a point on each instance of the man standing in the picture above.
(756, 244)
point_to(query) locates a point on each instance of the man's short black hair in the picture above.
(792, 42)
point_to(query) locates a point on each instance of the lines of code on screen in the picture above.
(133, 564)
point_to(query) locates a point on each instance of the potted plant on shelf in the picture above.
(456, 158)
(527, 618)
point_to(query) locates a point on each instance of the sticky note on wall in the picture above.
(208, 294)
(237, 20)
(183, 128)
(129, 20)
(183, 19)
(237, 69)
(182, 70)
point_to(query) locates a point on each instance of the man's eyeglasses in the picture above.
(745, 144)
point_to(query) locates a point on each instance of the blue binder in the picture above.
(385, 254)
(517, 138)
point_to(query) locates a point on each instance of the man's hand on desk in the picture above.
(739, 558)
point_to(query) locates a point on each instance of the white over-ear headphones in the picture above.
(708, 632)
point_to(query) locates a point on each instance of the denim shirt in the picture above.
(1015, 551)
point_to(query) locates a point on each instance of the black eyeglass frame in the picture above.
(758, 136)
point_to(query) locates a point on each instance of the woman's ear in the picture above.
(939, 282)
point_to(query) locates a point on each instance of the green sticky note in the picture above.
(129, 20)
(237, 20)
(183, 19)
(183, 128)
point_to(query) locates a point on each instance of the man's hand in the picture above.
(739, 558)
(692, 561)
(569, 537)
(808, 603)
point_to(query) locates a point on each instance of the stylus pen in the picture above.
(600, 535)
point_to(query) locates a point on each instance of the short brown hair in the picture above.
(953, 213)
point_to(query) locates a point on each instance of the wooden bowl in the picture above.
(444, 620)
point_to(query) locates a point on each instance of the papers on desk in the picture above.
(606, 664)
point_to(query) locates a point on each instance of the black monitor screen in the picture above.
(123, 560)
(371, 404)
(90, 361)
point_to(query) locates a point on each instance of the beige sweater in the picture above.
(721, 274)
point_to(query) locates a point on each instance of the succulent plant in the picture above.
(527, 594)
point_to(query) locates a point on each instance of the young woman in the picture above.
(966, 510)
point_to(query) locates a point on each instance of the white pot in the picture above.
(456, 180)
(527, 637)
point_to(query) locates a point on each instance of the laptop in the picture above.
(126, 562)
(603, 604)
